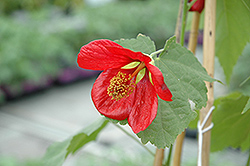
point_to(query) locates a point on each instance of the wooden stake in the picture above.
(159, 152)
(159, 156)
(208, 62)
(192, 47)
(180, 137)
(193, 36)
(178, 149)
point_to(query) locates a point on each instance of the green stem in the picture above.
(244, 81)
(136, 140)
(184, 17)
(248, 161)
(169, 156)
(156, 52)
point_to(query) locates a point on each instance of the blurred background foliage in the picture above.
(10, 6)
(39, 39)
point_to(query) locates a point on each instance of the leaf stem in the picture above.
(156, 52)
(169, 156)
(241, 84)
(136, 140)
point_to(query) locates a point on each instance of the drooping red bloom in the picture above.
(197, 6)
(128, 85)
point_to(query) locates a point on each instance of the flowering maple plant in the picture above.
(128, 86)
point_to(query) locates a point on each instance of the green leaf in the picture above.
(87, 135)
(58, 152)
(231, 128)
(247, 107)
(232, 32)
(184, 76)
(142, 43)
(240, 79)
(193, 124)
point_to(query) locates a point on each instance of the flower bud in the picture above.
(197, 6)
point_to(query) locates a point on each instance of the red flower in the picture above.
(128, 86)
(197, 6)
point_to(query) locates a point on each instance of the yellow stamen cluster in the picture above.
(121, 86)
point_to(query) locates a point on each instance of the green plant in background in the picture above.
(241, 73)
(28, 54)
(9, 6)
(37, 44)
(130, 19)
(10, 161)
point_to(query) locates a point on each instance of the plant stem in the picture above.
(156, 52)
(248, 161)
(169, 156)
(192, 47)
(244, 81)
(180, 33)
(136, 140)
(183, 24)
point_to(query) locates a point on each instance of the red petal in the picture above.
(97, 55)
(145, 105)
(113, 109)
(197, 6)
(159, 84)
(127, 52)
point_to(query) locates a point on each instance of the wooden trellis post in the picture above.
(159, 156)
(193, 36)
(208, 63)
(192, 43)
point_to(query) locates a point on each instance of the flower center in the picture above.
(122, 84)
